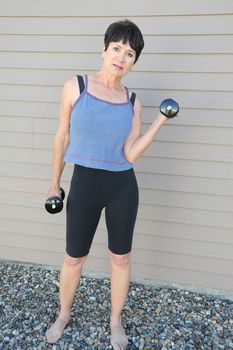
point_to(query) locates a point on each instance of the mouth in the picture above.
(118, 66)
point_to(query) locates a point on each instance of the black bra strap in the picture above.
(132, 98)
(81, 83)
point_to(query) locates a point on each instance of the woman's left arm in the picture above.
(136, 143)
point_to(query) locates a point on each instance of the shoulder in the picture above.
(137, 106)
(70, 90)
(136, 100)
(70, 82)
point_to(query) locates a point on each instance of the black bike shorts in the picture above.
(91, 190)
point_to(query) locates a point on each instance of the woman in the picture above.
(99, 132)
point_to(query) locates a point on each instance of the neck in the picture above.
(108, 79)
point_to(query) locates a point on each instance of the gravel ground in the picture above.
(154, 318)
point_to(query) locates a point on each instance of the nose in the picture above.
(121, 57)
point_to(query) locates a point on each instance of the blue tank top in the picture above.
(98, 131)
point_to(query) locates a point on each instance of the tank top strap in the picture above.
(127, 93)
(81, 83)
(132, 97)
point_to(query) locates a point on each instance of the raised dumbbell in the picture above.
(169, 108)
(54, 204)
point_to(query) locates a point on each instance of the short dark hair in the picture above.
(126, 31)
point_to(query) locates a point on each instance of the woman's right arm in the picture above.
(61, 141)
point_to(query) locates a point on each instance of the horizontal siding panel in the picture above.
(180, 260)
(144, 229)
(174, 260)
(37, 229)
(193, 117)
(183, 167)
(27, 155)
(149, 25)
(178, 167)
(31, 256)
(43, 77)
(36, 214)
(105, 8)
(33, 200)
(183, 231)
(93, 264)
(52, 43)
(147, 212)
(147, 181)
(160, 166)
(160, 259)
(180, 81)
(148, 62)
(89, 43)
(169, 133)
(16, 139)
(147, 197)
(192, 263)
(147, 80)
(16, 124)
(33, 185)
(29, 109)
(185, 184)
(179, 199)
(185, 215)
(29, 125)
(154, 245)
(186, 63)
(26, 170)
(30, 93)
(178, 249)
(31, 60)
(193, 151)
(195, 134)
(187, 99)
(21, 241)
(158, 149)
(171, 274)
(190, 117)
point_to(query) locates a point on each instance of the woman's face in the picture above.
(119, 58)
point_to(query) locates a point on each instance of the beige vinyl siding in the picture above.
(184, 230)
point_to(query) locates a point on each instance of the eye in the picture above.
(115, 48)
(130, 54)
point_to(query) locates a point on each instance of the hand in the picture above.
(162, 119)
(53, 191)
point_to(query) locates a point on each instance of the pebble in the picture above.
(154, 318)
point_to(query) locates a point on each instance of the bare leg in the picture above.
(69, 279)
(120, 279)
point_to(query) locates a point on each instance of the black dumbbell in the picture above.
(169, 108)
(54, 204)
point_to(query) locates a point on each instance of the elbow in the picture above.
(66, 140)
(63, 138)
(130, 158)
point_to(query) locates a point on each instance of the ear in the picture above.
(103, 52)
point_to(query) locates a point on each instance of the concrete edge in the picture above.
(209, 292)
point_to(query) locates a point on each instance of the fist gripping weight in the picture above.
(54, 204)
(169, 108)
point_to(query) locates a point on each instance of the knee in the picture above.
(69, 260)
(120, 261)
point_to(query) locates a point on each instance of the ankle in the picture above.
(115, 321)
(64, 314)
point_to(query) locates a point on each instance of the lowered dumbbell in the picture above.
(54, 204)
(169, 108)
